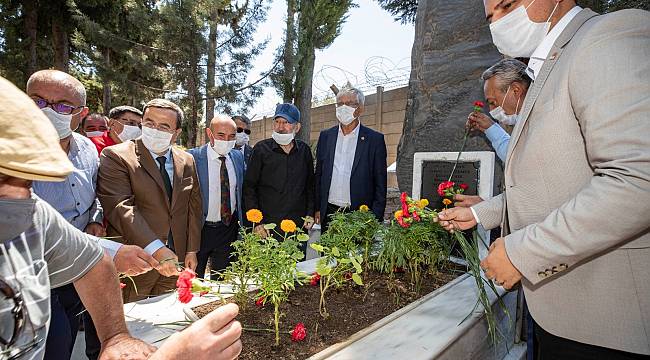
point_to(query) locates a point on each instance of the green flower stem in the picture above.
(459, 153)
(277, 320)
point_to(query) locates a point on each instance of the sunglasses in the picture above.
(17, 315)
(61, 108)
(245, 131)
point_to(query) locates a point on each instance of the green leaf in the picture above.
(269, 226)
(297, 256)
(356, 265)
(302, 237)
(335, 251)
(357, 279)
(322, 269)
(317, 247)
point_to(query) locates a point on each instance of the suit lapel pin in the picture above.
(363, 138)
(553, 56)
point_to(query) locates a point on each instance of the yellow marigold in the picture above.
(423, 203)
(446, 202)
(398, 214)
(364, 208)
(254, 216)
(288, 226)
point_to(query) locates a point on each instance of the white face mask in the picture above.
(345, 114)
(500, 115)
(129, 132)
(94, 133)
(515, 35)
(223, 147)
(61, 122)
(282, 139)
(241, 139)
(156, 140)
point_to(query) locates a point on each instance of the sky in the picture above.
(370, 40)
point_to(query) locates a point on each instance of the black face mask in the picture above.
(16, 216)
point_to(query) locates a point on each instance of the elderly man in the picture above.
(39, 249)
(94, 125)
(577, 179)
(62, 99)
(280, 178)
(152, 198)
(243, 137)
(350, 162)
(124, 124)
(221, 176)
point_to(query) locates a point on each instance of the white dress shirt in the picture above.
(346, 147)
(541, 53)
(214, 185)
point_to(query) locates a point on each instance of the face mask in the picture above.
(94, 133)
(282, 139)
(156, 140)
(223, 147)
(515, 35)
(345, 114)
(241, 139)
(129, 132)
(500, 115)
(61, 122)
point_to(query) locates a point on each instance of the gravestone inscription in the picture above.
(435, 172)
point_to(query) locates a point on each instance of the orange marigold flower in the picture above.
(398, 214)
(364, 208)
(254, 216)
(446, 202)
(423, 203)
(288, 226)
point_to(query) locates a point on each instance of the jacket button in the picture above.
(549, 272)
(541, 274)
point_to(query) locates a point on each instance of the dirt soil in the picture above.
(351, 309)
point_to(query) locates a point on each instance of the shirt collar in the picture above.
(354, 132)
(541, 53)
(167, 155)
(213, 155)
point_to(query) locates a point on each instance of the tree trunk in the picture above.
(194, 106)
(61, 44)
(106, 85)
(305, 74)
(289, 56)
(210, 80)
(31, 30)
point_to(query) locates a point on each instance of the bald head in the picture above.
(61, 80)
(222, 127)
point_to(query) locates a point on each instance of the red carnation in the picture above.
(185, 295)
(299, 333)
(314, 280)
(260, 301)
(405, 206)
(479, 103)
(184, 285)
(464, 186)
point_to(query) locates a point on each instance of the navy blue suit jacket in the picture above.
(200, 155)
(368, 179)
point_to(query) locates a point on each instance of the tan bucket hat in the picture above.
(29, 145)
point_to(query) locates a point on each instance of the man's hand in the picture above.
(309, 222)
(132, 260)
(167, 260)
(95, 229)
(317, 217)
(214, 337)
(457, 219)
(191, 261)
(261, 231)
(123, 346)
(466, 200)
(497, 266)
(478, 121)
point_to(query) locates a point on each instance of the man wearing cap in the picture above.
(280, 178)
(152, 198)
(39, 249)
(243, 137)
(124, 124)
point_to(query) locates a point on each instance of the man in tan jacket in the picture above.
(577, 201)
(152, 198)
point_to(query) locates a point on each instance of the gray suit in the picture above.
(578, 185)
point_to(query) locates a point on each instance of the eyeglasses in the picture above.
(18, 315)
(129, 122)
(245, 131)
(161, 127)
(61, 108)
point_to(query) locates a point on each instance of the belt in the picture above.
(213, 223)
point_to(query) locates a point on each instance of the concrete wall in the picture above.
(385, 112)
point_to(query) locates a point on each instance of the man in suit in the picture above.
(350, 162)
(221, 175)
(152, 196)
(577, 177)
(243, 137)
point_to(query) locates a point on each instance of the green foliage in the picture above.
(352, 231)
(403, 11)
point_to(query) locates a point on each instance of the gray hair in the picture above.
(166, 104)
(350, 90)
(121, 110)
(506, 72)
(242, 118)
(62, 79)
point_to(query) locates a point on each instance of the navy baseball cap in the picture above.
(289, 112)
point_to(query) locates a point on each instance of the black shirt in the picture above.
(280, 185)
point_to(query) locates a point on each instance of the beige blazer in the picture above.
(131, 189)
(577, 176)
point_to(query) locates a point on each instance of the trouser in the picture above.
(216, 245)
(146, 285)
(66, 309)
(93, 346)
(331, 209)
(551, 347)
